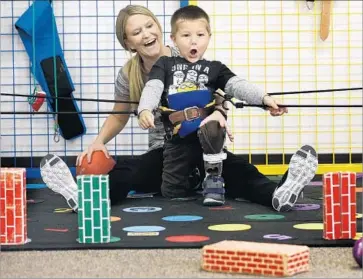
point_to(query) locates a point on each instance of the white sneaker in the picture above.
(57, 176)
(302, 169)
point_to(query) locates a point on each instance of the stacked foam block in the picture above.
(13, 216)
(339, 203)
(94, 209)
(255, 258)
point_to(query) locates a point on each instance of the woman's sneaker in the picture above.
(301, 171)
(57, 176)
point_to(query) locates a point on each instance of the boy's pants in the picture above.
(181, 156)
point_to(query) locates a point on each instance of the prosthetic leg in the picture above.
(212, 137)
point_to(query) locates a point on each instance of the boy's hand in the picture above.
(273, 106)
(146, 120)
(217, 116)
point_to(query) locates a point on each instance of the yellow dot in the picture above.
(358, 236)
(358, 215)
(114, 218)
(62, 210)
(310, 226)
(229, 227)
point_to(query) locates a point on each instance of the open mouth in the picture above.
(193, 52)
(150, 43)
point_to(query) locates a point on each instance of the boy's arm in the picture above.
(243, 90)
(153, 90)
(240, 88)
(151, 95)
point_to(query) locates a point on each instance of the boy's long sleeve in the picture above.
(151, 95)
(243, 90)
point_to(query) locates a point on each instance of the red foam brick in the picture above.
(13, 224)
(339, 205)
(255, 258)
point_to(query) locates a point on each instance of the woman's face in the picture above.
(143, 35)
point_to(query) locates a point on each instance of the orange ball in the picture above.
(100, 164)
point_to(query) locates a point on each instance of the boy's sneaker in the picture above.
(57, 176)
(213, 190)
(301, 171)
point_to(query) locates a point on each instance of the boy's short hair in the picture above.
(190, 12)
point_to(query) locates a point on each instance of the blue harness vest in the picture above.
(182, 100)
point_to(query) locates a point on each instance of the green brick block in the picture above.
(94, 224)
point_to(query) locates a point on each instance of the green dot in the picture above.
(264, 217)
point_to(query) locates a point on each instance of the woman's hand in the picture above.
(217, 116)
(273, 106)
(92, 148)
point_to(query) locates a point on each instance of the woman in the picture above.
(139, 32)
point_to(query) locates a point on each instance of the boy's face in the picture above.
(192, 38)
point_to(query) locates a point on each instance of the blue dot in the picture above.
(142, 209)
(182, 218)
(144, 229)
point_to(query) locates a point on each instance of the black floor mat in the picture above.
(52, 227)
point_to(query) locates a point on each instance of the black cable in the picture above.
(315, 91)
(132, 102)
(70, 98)
(237, 105)
(68, 112)
(227, 98)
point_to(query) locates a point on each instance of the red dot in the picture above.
(221, 208)
(187, 238)
(56, 230)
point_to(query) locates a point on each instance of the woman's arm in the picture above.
(114, 124)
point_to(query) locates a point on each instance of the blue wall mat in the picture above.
(184, 3)
(34, 173)
(35, 186)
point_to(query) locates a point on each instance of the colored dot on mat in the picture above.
(144, 229)
(187, 238)
(358, 215)
(114, 219)
(358, 236)
(34, 201)
(229, 227)
(305, 206)
(264, 217)
(241, 200)
(62, 210)
(182, 218)
(310, 226)
(316, 183)
(277, 236)
(56, 230)
(143, 209)
(221, 208)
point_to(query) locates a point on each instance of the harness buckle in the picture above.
(191, 113)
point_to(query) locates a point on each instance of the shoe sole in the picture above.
(57, 176)
(302, 169)
(212, 202)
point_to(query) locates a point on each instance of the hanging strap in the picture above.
(38, 32)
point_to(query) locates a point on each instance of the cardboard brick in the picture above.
(255, 258)
(339, 205)
(13, 206)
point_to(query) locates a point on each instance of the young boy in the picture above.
(182, 87)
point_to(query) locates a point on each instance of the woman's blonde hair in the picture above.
(133, 67)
